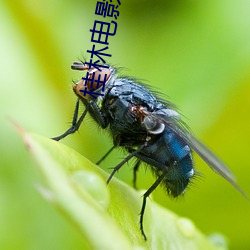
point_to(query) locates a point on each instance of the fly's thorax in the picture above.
(95, 83)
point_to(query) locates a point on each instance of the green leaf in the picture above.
(107, 215)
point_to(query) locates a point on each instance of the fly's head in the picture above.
(94, 83)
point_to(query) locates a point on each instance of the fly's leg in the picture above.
(105, 155)
(125, 160)
(97, 114)
(75, 124)
(135, 169)
(145, 196)
(91, 107)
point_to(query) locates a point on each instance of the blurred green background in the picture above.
(195, 52)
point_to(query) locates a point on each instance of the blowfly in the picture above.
(148, 127)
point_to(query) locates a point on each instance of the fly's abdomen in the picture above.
(180, 166)
(178, 176)
(170, 155)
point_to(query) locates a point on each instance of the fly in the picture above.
(149, 128)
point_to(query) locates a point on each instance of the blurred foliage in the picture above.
(102, 213)
(197, 53)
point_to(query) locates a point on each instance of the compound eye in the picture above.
(97, 78)
(93, 80)
(153, 126)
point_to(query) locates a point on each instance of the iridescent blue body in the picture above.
(125, 106)
(148, 127)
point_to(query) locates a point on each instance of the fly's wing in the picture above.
(212, 160)
(175, 124)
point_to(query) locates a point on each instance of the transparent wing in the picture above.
(207, 155)
(175, 124)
